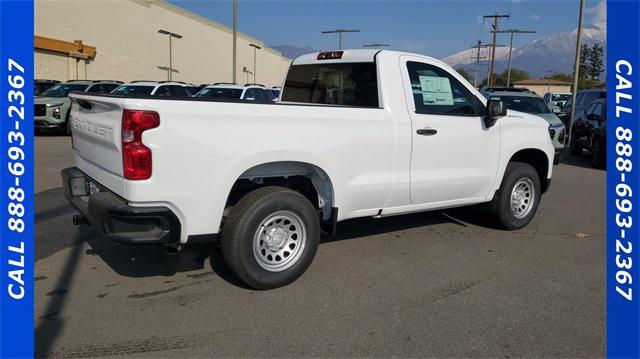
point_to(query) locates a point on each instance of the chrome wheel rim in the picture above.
(279, 241)
(522, 198)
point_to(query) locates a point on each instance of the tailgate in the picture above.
(96, 132)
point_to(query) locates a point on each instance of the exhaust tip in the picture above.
(173, 250)
(79, 220)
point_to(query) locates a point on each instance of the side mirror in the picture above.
(496, 108)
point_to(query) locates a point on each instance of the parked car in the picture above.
(534, 104)
(348, 139)
(556, 100)
(248, 92)
(156, 88)
(51, 110)
(590, 133)
(487, 91)
(275, 91)
(40, 86)
(583, 99)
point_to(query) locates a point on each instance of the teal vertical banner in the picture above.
(16, 181)
(623, 179)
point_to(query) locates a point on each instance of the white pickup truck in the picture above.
(358, 133)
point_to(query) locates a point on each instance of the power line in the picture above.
(512, 32)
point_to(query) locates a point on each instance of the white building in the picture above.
(119, 40)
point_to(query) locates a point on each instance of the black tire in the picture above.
(574, 146)
(242, 225)
(67, 124)
(515, 172)
(598, 156)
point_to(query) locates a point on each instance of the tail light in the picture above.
(136, 157)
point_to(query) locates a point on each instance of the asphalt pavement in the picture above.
(438, 284)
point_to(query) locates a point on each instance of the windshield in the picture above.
(62, 90)
(220, 92)
(133, 90)
(559, 98)
(533, 105)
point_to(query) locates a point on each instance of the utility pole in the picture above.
(235, 40)
(255, 48)
(171, 35)
(496, 18)
(576, 71)
(478, 46)
(511, 31)
(375, 45)
(339, 32)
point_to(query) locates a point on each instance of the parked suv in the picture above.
(156, 88)
(51, 111)
(556, 99)
(249, 92)
(534, 104)
(40, 86)
(590, 133)
(583, 99)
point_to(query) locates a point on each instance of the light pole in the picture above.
(255, 48)
(375, 46)
(235, 39)
(244, 69)
(171, 35)
(576, 71)
(511, 31)
(339, 32)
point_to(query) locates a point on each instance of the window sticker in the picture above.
(436, 90)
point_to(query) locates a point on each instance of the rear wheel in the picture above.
(574, 146)
(270, 237)
(598, 155)
(517, 199)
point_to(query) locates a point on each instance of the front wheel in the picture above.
(270, 237)
(518, 197)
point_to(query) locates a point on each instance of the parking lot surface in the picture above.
(445, 284)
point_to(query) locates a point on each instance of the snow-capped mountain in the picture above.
(554, 53)
(468, 57)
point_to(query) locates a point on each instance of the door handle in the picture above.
(427, 131)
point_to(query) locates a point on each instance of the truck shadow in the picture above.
(150, 261)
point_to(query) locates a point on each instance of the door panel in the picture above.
(454, 156)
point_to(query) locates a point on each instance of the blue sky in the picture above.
(437, 28)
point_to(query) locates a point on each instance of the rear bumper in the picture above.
(114, 217)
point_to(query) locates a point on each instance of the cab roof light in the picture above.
(330, 55)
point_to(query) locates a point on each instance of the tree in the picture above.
(516, 75)
(596, 63)
(465, 74)
(585, 55)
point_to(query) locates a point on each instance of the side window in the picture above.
(591, 108)
(177, 91)
(162, 91)
(106, 88)
(261, 95)
(597, 110)
(94, 89)
(436, 92)
(250, 95)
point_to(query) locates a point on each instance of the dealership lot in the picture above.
(430, 284)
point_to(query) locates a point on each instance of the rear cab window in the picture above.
(341, 84)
